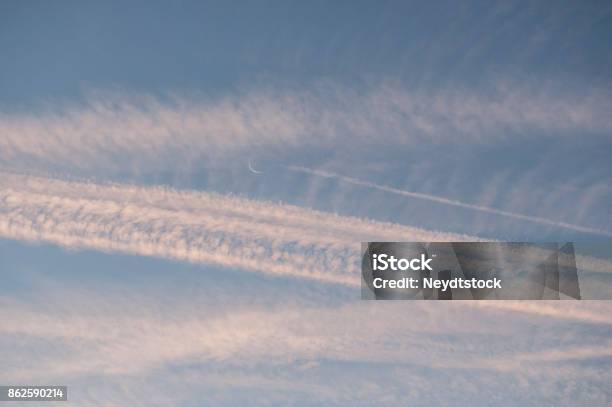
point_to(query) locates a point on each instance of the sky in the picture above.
(184, 187)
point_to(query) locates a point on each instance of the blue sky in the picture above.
(54, 50)
(143, 263)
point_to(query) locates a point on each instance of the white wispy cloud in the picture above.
(194, 226)
(268, 238)
(132, 132)
(201, 227)
(595, 312)
(122, 338)
(107, 341)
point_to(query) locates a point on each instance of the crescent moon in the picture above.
(253, 170)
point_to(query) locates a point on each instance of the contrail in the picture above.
(193, 226)
(446, 201)
(200, 227)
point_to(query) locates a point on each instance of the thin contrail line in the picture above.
(446, 201)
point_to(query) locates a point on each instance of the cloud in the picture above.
(201, 227)
(595, 312)
(194, 226)
(110, 131)
(119, 336)
(116, 339)
(128, 341)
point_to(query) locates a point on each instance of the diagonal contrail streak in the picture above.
(200, 227)
(446, 201)
(193, 226)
